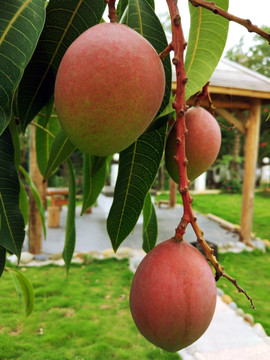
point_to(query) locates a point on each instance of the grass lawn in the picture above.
(252, 271)
(228, 207)
(84, 318)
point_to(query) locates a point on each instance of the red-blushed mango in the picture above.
(202, 144)
(108, 89)
(173, 295)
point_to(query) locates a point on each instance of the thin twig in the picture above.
(178, 44)
(209, 5)
(166, 51)
(112, 12)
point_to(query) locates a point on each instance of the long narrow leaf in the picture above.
(61, 149)
(24, 203)
(206, 42)
(39, 203)
(65, 21)
(45, 134)
(21, 25)
(150, 227)
(24, 285)
(2, 259)
(94, 176)
(138, 166)
(12, 223)
(70, 237)
(141, 17)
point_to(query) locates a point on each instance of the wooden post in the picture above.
(172, 201)
(35, 224)
(251, 155)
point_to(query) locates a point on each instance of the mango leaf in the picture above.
(16, 142)
(11, 220)
(24, 288)
(45, 135)
(21, 25)
(150, 226)
(39, 203)
(121, 7)
(65, 21)
(70, 235)
(138, 166)
(61, 149)
(94, 177)
(24, 203)
(2, 259)
(141, 17)
(206, 42)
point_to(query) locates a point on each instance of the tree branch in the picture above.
(112, 12)
(209, 5)
(178, 44)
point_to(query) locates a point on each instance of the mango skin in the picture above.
(108, 89)
(202, 144)
(173, 295)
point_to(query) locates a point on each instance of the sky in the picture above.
(257, 11)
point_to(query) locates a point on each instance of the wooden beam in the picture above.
(239, 92)
(251, 155)
(231, 119)
(234, 91)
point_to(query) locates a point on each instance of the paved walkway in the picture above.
(92, 235)
(229, 337)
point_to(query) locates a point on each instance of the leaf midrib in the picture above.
(15, 17)
(127, 192)
(196, 41)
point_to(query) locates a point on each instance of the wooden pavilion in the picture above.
(238, 94)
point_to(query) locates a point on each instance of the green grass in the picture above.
(84, 318)
(228, 207)
(252, 271)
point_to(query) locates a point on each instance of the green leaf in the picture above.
(39, 203)
(24, 203)
(45, 135)
(138, 166)
(94, 177)
(12, 223)
(141, 17)
(16, 142)
(150, 226)
(21, 25)
(206, 42)
(24, 287)
(70, 236)
(65, 21)
(121, 7)
(2, 259)
(61, 149)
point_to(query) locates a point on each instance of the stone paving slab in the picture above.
(229, 337)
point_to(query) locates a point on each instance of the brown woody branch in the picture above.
(178, 44)
(209, 5)
(112, 12)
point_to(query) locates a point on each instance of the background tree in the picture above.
(257, 58)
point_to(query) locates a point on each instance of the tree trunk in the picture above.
(35, 224)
